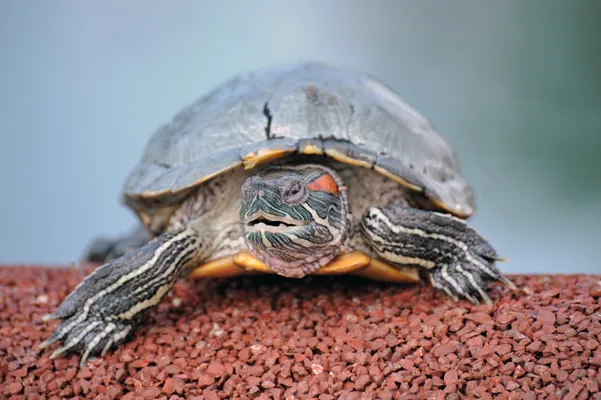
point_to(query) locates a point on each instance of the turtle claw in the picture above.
(487, 300)
(507, 283)
(47, 343)
(50, 317)
(471, 298)
(83, 329)
(60, 351)
(435, 283)
(57, 353)
(467, 281)
(89, 338)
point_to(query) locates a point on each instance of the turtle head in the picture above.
(295, 218)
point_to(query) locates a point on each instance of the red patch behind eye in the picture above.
(325, 183)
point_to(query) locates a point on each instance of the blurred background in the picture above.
(514, 85)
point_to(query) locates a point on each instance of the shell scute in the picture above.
(310, 109)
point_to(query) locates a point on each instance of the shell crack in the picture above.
(267, 113)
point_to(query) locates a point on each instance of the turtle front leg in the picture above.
(457, 259)
(108, 305)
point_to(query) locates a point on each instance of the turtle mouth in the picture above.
(272, 223)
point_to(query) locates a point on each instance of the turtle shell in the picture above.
(308, 108)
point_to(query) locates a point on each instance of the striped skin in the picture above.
(457, 259)
(238, 210)
(108, 304)
(295, 219)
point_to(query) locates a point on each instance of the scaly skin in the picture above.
(295, 218)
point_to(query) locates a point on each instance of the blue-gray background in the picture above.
(514, 85)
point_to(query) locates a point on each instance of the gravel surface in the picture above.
(266, 337)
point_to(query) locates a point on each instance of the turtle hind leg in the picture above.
(457, 259)
(108, 305)
(103, 250)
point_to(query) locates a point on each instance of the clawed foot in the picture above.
(111, 302)
(469, 268)
(97, 316)
(88, 336)
(467, 281)
(457, 259)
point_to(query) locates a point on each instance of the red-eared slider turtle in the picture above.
(296, 170)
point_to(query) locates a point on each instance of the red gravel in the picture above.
(322, 338)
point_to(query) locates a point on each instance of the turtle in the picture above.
(296, 170)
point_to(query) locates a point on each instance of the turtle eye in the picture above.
(294, 193)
